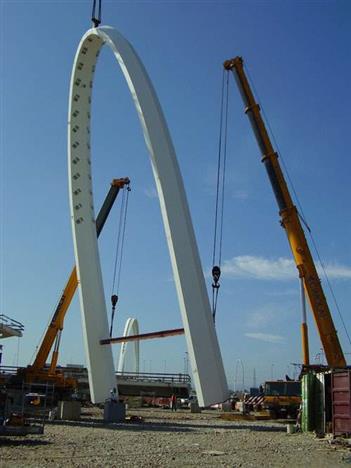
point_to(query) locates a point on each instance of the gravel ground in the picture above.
(170, 440)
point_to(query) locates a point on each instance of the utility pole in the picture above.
(186, 363)
(254, 378)
(239, 362)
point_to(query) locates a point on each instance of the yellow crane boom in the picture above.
(290, 221)
(53, 333)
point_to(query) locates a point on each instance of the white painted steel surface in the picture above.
(205, 358)
(129, 358)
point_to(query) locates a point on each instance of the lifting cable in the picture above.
(300, 212)
(117, 268)
(219, 208)
(96, 19)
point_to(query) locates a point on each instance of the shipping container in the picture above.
(322, 403)
(341, 401)
(316, 402)
(307, 418)
(319, 403)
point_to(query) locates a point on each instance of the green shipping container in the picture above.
(319, 403)
(307, 387)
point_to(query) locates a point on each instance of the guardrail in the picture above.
(81, 373)
(8, 370)
(9, 322)
(155, 377)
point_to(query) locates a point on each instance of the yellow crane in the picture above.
(38, 371)
(290, 221)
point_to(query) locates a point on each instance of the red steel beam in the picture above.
(144, 336)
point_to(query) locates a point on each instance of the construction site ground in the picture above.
(164, 439)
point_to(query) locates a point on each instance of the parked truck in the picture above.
(278, 398)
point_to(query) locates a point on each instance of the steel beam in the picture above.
(144, 336)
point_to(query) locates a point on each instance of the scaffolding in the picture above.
(10, 327)
(24, 410)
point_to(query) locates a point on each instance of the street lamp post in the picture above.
(186, 363)
(239, 362)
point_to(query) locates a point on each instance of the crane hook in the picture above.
(216, 274)
(114, 300)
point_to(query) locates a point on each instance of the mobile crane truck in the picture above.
(290, 221)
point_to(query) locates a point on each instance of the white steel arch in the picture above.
(130, 350)
(204, 353)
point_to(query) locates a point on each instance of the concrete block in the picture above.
(69, 410)
(134, 402)
(227, 406)
(114, 411)
(194, 407)
(290, 428)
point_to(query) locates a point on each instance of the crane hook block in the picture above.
(114, 300)
(216, 274)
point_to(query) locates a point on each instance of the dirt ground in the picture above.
(164, 439)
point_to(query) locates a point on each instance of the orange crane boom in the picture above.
(53, 333)
(290, 221)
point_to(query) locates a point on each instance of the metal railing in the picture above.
(9, 322)
(81, 373)
(10, 370)
(155, 377)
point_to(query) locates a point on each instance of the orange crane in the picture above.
(38, 370)
(290, 221)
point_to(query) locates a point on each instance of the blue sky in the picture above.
(298, 56)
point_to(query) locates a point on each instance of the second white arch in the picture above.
(129, 353)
